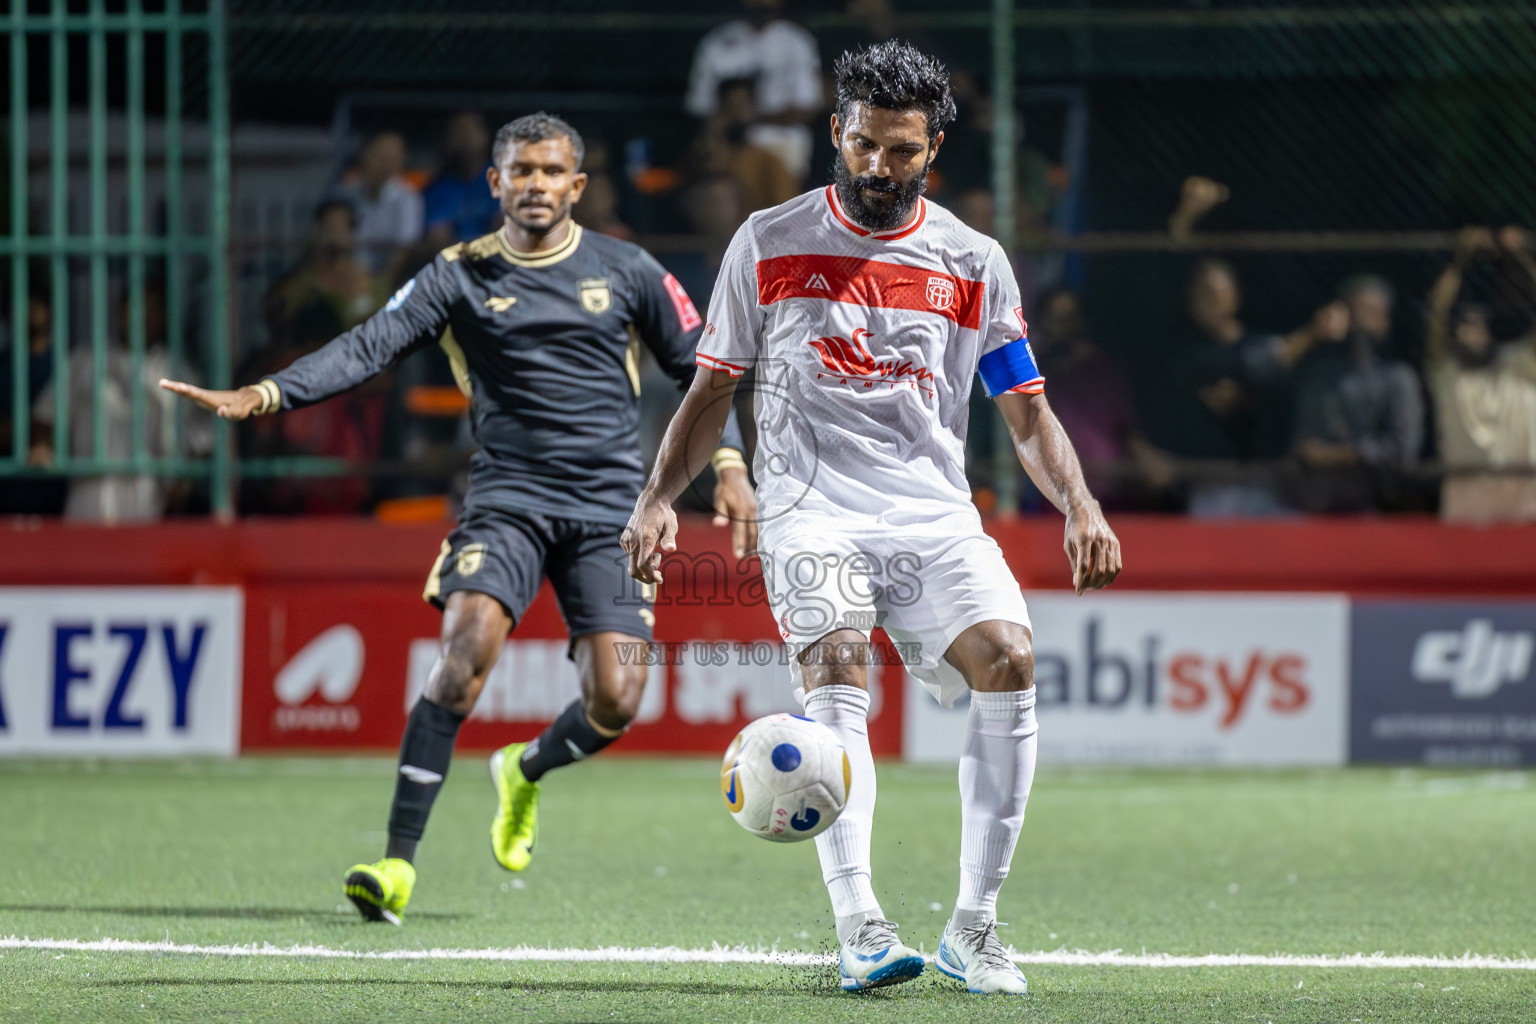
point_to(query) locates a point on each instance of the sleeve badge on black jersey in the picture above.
(470, 559)
(595, 295)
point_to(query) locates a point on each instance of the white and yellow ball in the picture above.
(785, 778)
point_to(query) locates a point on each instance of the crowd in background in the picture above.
(1374, 401)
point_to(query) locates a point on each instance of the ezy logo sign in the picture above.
(119, 670)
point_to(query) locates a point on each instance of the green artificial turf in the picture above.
(639, 853)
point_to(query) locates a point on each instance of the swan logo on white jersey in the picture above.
(849, 359)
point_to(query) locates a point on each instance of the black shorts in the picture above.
(507, 555)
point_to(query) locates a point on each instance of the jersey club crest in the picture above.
(470, 559)
(941, 292)
(594, 294)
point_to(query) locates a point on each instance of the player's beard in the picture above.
(561, 212)
(851, 192)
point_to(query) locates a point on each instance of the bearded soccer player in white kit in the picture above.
(866, 311)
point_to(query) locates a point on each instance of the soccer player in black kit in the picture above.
(540, 321)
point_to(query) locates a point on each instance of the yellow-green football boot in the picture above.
(381, 891)
(516, 827)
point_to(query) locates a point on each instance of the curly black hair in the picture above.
(895, 75)
(537, 128)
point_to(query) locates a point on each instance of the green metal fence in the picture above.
(1355, 136)
(41, 241)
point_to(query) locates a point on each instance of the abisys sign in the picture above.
(1176, 679)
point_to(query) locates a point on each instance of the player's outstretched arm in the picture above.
(1048, 457)
(415, 317)
(691, 438)
(229, 405)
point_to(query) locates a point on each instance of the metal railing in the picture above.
(84, 263)
(51, 242)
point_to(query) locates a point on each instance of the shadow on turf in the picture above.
(238, 913)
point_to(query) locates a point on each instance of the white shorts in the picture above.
(924, 591)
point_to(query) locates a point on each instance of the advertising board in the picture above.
(1150, 678)
(120, 671)
(1443, 682)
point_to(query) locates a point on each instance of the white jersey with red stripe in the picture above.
(865, 345)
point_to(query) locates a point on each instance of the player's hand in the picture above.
(652, 531)
(1092, 548)
(229, 405)
(736, 505)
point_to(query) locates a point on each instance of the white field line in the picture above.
(787, 958)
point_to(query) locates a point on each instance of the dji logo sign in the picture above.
(1475, 661)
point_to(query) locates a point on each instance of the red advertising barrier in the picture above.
(336, 665)
(338, 642)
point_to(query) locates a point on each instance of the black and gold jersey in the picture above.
(545, 345)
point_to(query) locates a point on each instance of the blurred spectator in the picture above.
(1484, 395)
(128, 497)
(1229, 398)
(724, 147)
(1091, 394)
(39, 361)
(1370, 298)
(1359, 413)
(782, 60)
(29, 496)
(327, 294)
(388, 209)
(966, 163)
(726, 178)
(716, 207)
(459, 204)
(329, 291)
(599, 207)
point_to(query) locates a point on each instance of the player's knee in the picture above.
(453, 685)
(838, 659)
(615, 700)
(1011, 667)
(467, 657)
(838, 673)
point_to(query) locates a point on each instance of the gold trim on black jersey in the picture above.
(632, 357)
(539, 259)
(457, 363)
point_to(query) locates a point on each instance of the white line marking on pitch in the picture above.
(790, 958)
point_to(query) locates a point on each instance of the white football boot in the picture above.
(873, 957)
(976, 956)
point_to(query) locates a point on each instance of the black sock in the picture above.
(426, 750)
(568, 739)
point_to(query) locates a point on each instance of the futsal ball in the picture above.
(785, 778)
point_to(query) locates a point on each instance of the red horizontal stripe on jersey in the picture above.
(874, 284)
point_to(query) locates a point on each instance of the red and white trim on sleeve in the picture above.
(709, 362)
(884, 236)
(1029, 387)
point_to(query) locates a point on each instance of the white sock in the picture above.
(996, 769)
(844, 848)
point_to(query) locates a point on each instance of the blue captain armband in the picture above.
(1011, 368)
